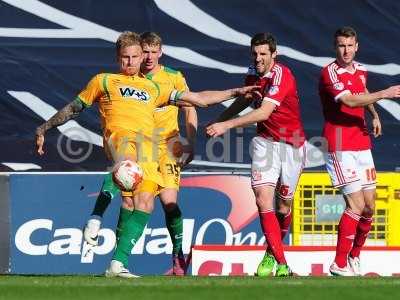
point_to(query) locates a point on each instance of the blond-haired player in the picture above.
(170, 163)
(127, 101)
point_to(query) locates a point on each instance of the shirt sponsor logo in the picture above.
(338, 86)
(273, 90)
(130, 92)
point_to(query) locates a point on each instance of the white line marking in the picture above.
(46, 111)
(210, 26)
(21, 166)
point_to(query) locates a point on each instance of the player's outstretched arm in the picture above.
(65, 114)
(370, 98)
(257, 115)
(206, 98)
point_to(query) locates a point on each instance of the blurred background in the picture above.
(50, 49)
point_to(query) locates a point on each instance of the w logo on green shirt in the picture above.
(130, 92)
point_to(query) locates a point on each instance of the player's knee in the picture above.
(355, 201)
(127, 203)
(169, 198)
(369, 198)
(144, 202)
(369, 209)
(145, 206)
(284, 206)
(170, 206)
(263, 202)
(357, 206)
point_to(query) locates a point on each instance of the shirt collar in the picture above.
(341, 70)
(269, 74)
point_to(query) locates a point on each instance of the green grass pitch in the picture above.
(209, 288)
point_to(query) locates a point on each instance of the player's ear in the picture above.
(160, 53)
(274, 54)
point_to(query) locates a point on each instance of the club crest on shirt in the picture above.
(273, 90)
(130, 92)
(338, 86)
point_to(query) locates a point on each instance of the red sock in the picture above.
(272, 233)
(347, 230)
(284, 222)
(363, 228)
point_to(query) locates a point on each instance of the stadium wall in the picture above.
(4, 225)
(42, 216)
(47, 212)
(217, 260)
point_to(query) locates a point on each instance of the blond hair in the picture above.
(151, 38)
(126, 39)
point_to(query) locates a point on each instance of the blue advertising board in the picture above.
(49, 211)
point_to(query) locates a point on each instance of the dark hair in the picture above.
(345, 31)
(151, 38)
(264, 38)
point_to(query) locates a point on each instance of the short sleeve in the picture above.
(174, 97)
(278, 90)
(331, 85)
(92, 92)
(164, 94)
(180, 83)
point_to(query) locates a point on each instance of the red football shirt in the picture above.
(345, 128)
(279, 87)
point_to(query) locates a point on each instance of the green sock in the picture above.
(174, 222)
(108, 191)
(133, 230)
(124, 215)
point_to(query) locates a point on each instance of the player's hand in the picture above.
(246, 89)
(393, 92)
(256, 95)
(39, 143)
(376, 127)
(217, 129)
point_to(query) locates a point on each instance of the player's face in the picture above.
(152, 54)
(129, 59)
(346, 48)
(263, 59)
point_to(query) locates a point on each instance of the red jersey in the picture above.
(345, 128)
(279, 87)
